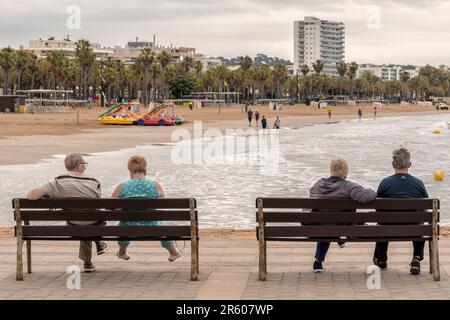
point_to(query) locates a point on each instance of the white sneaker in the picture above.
(172, 258)
(123, 256)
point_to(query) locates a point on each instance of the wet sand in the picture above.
(30, 138)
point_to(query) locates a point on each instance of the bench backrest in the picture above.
(48, 211)
(387, 219)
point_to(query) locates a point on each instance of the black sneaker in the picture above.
(415, 266)
(381, 264)
(102, 248)
(89, 267)
(317, 267)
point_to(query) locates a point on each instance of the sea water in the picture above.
(226, 192)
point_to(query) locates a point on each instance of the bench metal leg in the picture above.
(431, 256)
(262, 260)
(435, 258)
(19, 265)
(28, 255)
(194, 260)
(434, 244)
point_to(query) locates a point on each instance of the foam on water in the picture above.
(226, 193)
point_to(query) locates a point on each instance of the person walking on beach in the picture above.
(337, 186)
(329, 112)
(401, 185)
(139, 187)
(374, 112)
(277, 123)
(264, 122)
(250, 117)
(359, 113)
(257, 118)
(75, 184)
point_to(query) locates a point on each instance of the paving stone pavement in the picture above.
(228, 270)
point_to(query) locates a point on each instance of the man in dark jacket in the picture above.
(336, 186)
(401, 185)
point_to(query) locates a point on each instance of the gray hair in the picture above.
(401, 159)
(72, 160)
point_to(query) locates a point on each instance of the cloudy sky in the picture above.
(405, 31)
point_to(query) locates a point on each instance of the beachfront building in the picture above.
(42, 48)
(132, 50)
(413, 71)
(384, 72)
(316, 39)
(207, 62)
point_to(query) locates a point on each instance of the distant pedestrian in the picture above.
(257, 118)
(359, 113)
(264, 122)
(330, 110)
(277, 123)
(250, 117)
(374, 113)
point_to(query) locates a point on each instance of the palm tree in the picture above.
(198, 67)
(342, 71)
(318, 66)
(404, 76)
(352, 68)
(24, 60)
(245, 63)
(305, 70)
(7, 62)
(280, 75)
(86, 58)
(110, 74)
(154, 71)
(57, 62)
(145, 62)
(164, 59)
(187, 64)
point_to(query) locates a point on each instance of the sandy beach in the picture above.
(29, 138)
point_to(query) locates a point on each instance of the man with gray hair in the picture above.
(401, 185)
(75, 184)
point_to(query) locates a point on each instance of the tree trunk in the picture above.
(5, 82)
(145, 91)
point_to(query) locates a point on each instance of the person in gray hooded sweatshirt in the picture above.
(336, 186)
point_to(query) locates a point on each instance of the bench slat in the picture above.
(349, 231)
(384, 239)
(78, 203)
(347, 217)
(150, 215)
(106, 238)
(95, 231)
(337, 204)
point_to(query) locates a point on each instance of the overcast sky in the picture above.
(410, 31)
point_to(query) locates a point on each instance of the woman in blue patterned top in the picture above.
(140, 187)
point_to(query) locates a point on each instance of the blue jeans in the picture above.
(126, 243)
(322, 249)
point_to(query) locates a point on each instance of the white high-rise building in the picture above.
(316, 39)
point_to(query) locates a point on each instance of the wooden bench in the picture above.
(313, 219)
(48, 211)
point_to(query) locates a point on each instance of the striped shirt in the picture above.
(73, 185)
